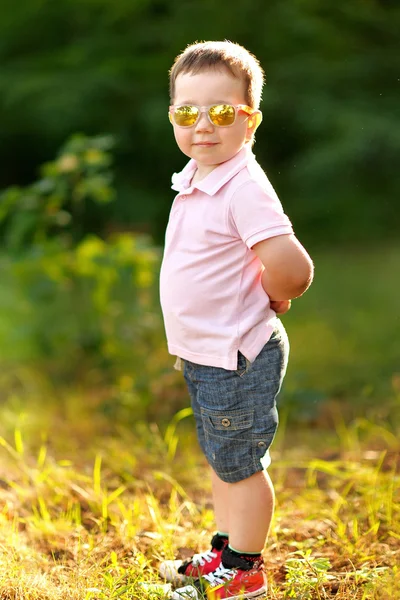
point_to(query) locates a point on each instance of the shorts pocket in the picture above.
(228, 439)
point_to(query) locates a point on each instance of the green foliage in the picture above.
(344, 332)
(82, 306)
(80, 173)
(305, 576)
(329, 136)
(92, 309)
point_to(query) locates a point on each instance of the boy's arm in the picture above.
(288, 269)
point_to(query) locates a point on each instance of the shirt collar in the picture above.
(214, 181)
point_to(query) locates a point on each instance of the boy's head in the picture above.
(221, 55)
(215, 90)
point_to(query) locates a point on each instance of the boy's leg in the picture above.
(251, 506)
(238, 421)
(220, 494)
(244, 510)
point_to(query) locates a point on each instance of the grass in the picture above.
(94, 525)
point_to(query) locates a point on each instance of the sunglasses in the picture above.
(220, 115)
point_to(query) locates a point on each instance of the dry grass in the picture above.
(95, 526)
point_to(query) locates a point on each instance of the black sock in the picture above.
(219, 541)
(240, 560)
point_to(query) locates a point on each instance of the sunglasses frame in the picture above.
(206, 109)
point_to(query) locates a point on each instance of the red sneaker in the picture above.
(199, 565)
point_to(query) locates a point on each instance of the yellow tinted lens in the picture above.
(222, 115)
(186, 116)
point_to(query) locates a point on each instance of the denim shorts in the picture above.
(235, 411)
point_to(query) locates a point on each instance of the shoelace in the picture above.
(219, 575)
(201, 559)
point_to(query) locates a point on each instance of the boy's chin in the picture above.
(213, 158)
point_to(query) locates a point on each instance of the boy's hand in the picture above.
(280, 306)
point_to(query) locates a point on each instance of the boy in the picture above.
(231, 263)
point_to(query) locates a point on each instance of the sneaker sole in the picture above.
(261, 593)
(254, 595)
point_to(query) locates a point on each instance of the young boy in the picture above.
(231, 263)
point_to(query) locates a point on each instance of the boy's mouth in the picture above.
(205, 143)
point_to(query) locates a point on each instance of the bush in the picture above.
(80, 175)
(81, 307)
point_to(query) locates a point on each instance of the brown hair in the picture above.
(239, 61)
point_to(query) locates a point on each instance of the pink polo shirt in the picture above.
(212, 299)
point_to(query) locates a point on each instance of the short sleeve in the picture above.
(256, 213)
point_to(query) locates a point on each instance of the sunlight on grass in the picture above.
(97, 531)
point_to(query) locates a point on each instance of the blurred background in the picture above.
(86, 157)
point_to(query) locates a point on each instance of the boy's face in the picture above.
(206, 143)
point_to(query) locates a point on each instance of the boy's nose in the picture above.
(204, 124)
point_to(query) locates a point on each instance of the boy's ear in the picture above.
(253, 122)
